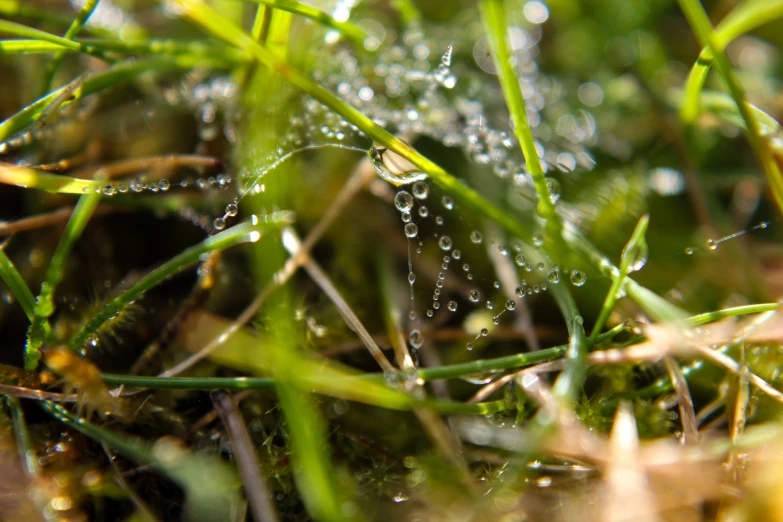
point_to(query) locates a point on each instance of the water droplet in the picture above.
(448, 203)
(438, 220)
(406, 217)
(108, 190)
(411, 277)
(541, 266)
(554, 276)
(388, 164)
(435, 305)
(420, 190)
(496, 284)
(403, 201)
(474, 296)
(424, 211)
(538, 239)
(430, 313)
(520, 291)
(469, 346)
(476, 237)
(466, 267)
(578, 278)
(503, 250)
(520, 260)
(453, 306)
(511, 305)
(712, 244)
(554, 189)
(412, 315)
(416, 339)
(163, 184)
(490, 305)
(456, 254)
(638, 257)
(411, 230)
(445, 243)
(484, 332)
(219, 223)
(689, 251)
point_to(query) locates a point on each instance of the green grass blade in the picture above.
(569, 382)
(700, 23)
(16, 285)
(744, 18)
(241, 233)
(493, 13)
(28, 178)
(352, 32)
(211, 487)
(78, 22)
(44, 304)
(732, 312)
(630, 252)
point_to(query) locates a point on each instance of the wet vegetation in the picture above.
(390, 260)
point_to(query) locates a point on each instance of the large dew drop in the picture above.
(578, 278)
(394, 168)
(411, 230)
(445, 243)
(420, 190)
(403, 201)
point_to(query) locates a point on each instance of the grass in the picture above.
(157, 175)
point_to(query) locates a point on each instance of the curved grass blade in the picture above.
(702, 27)
(744, 18)
(249, 231)
(211, 487)
(16, 285)
(42, 36)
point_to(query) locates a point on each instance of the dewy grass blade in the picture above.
(241, 233)
(44, 304)
(28, 178)
(631, 254)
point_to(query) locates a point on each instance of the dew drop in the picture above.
(448, 203)
(411, 230)
(554, 276)
(393, 168)
(541, 266)
(445, 243)
(424, 211)
(511, 305)
(484, 332)
(435, 305)
(712, 244)
(538, 239)
(406, 217)
(688, 251)
(520, 291)
(452, 306)
(420, 190)
(412, 315)
(554, 189)
(466, 267)
(503, 250)
(469, 346)
(219, 223)
(520, 260)
(578, 278)
(430, 313)
(490, 305)
(403, 201)
(108, 190)
(438, 220)
(474, 296)
(456, 254)
(476, 237)
(416, 339)
(496, 284)
(411, 277)
(232, 209)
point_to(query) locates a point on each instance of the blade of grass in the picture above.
(352, 32)
(211, 487)
(628, 257)
(70, 34)
(25, 177)
(31, 33)
(16, 285)
(746, 17)
(702, 27)
(569, 382)
(44, 304)
(249, 231)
